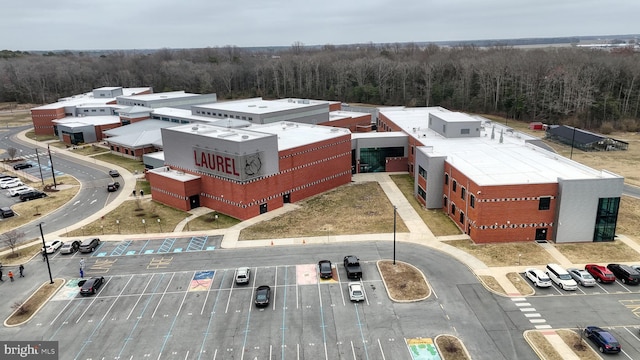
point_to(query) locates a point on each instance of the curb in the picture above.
(416, 269)
(464, 348)
(40, 307)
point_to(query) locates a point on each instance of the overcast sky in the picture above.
(146, 24)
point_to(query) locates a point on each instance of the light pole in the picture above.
(159, 225)
(215, 219)
(144, 223)
(46, 256)
(39, 166)
(102, 229)
(395, 211)
(53, 173)
(118, 224)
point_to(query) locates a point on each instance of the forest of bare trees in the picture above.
(592, 89)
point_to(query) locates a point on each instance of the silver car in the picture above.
(582, 277)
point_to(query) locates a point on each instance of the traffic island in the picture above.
(24, 311)
(451, 348)
(403, 281)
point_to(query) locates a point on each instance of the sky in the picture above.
(144, 24)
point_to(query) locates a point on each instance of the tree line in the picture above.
(588, 88)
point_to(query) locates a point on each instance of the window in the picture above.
(472, 201)
(455, 185)
(461, 217)
(411, 149)
(453, 209)
(422, 172)
(606, 219)
(463, 193)
(446, 179)
(445, 202)
(545, 203)
(422, 193)
(464, 131)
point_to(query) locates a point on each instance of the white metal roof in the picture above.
(489, 161)
(72, 121)
(258, 105)
(292, 134)
(88, 98)
(159, 96)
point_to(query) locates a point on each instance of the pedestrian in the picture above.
(81, 273)
(82, 263)
(134, 192)
(10, 275)
(1, 275)
(44, 256)
(141, 193)
(21, 268)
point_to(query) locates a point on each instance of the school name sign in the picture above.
(238, 167)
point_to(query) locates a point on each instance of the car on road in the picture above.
(600, 273)
(6, 212)
(242, 275)
(16, 191)
(88, 245)
(263, 294)
(582, 277)
(605, 342)
(113, 186)
(11, 184)
(32, 195)
(324, 268)
(22, 166)
(625, 273)
(70, 247)
(90, 286)
(52, 246)
(537, 277)
(114, 173)
(355, 291)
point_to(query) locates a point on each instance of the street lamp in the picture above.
(215, 219)
(395, 211)
(118, 223)
(187, 220)
(144, 223)
(46, 256)
(159, 225)
(102, 229)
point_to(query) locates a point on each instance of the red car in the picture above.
(600, 273)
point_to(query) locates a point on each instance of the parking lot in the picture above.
(204, 314)
(613, 288)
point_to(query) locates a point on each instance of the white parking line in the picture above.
(162, 297)
(603, 289)
(275, 288)
(623, 286)
(226, 309)
(518, 299)
(523, 304)
(204, 303)
(341, 289)
(541, 327)
(140, 297)
(527, 309)
(532, 315)
(537, 321)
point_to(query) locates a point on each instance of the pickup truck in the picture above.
(352, 265)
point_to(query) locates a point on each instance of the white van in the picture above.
(561, 277)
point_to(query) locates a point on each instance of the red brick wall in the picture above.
(355, 124)
(173, 192)
(41, 119)
(396, 164)
(304, 171)
(502, 213)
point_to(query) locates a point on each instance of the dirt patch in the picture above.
(492, 284)
(25, 310)
(542, 346)
(520, 284)
(578, 345)
(404, 282)
(451, 348)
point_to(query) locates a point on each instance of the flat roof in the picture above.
(182, 114)
(257, 106)
(220, 132)
(72, 121)
(292, 134)
(159, 96)
(342, 114)
(489, 161)
(88, 98)
(173, 174)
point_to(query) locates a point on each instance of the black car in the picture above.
(31, 195)
(263, 294)
(114, 173)
(113, 186)
(625, 273)
(605, 342)
(90, 286)
(22, 166)
(88, 245)
(324, 267)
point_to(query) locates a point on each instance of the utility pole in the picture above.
(53, 174)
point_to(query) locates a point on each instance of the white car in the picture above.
(582, 277)
(19, 190)
(11, 184)
(355, 292)
(52, 246)
(537, 277)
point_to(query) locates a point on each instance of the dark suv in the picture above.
(605, 342)
(31, 195)
(88, 245)
(625, 273)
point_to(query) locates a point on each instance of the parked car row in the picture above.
(570, 278)
(84, 246)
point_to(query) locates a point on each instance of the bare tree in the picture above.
(11, 151)
(12, 238)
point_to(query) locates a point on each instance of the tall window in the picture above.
(545, 203)
(446, 179)
(455, 185)
(606, 219)
(453, 209)
(422, 172)
(463, 193)
(461, 217)
(472, 201)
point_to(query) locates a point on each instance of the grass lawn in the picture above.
(88, 150)
(404, 282)
(437, 221)
(361, 208)
(133, 165)
(492, 284)
(543, 345)
(520, 283)
(578, 345)
(26, 309)
(208, 222)
(582, 253)
(505, 254)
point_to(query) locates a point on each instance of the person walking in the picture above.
(81, 273)
(21, 268)
(141, 193)
(44, 256)
(10, 275)
(1, 275)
